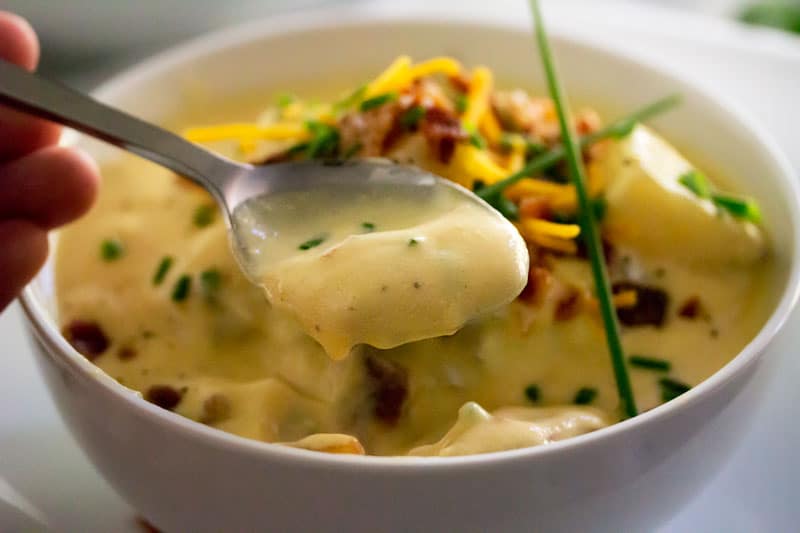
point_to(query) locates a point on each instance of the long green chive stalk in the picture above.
(591, 235)
(616, 129)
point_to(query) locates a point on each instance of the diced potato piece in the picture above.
(509, 428)
(653, 213)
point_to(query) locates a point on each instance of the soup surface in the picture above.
(150, 292)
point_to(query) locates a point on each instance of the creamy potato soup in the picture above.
(365, 349)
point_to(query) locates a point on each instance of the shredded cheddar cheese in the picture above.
(480, 89)
(248, 132)
(390, 79)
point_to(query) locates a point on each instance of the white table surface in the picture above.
(43, 471)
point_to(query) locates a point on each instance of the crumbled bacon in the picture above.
(651, 305)
(164, 396)
(568, 306)
(691, 308)
(86, 337)
(535, 207)
(368, 129)
(389, 388)
(539, 279)
(442, 130)
(460, 82)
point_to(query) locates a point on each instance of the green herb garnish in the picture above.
(617, 129)
(182, 288)
(368, 226)
(671, 389)
(350, 100)
(284, 100)
(499, 201)
(324, 141)
(532, 393)
(650, 363)
(313, 242)
(589, 230)
(475, 138)
(585, 396)
(161, 271)
(739, 207)
(413, 242)
(377, 101)
(461, 103)
(412, 116)
(204, 215)
(697, 182)
(111, 250)
(210, 281)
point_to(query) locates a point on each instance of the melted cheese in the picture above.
(381, 267)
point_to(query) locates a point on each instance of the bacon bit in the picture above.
(539, 280)
(87, 338)
(535, 207)
(569, 306)
(127, 353)
(442, 130)
(163, 396)
(691, 308)
(216, 408)
(460, 82)
(651, 305)
(389, 388)
(588, 121)
(370, 129)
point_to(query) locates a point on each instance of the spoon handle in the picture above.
(38, 96)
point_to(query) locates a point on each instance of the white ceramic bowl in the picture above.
(183, 476)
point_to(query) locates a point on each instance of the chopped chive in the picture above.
(585, 396)
(350, 100)
(284, 100)
(650, 363)
(377, 101)
(313, 242)
(616, 129)
(163, 268)
(204, 215)
(671, 389)
(210, 282)
(461, 103)
(411, 117)
(413, 242)
(697, 182)
(743, 208)
(298, 148)
(589, 230)
(532, 393)
(368, 226)
(353, 150)
(182, 288)
(111, 250)
(475, 138)
(324, 141)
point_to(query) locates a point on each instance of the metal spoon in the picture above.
(230, 183)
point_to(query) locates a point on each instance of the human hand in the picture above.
(42, 185)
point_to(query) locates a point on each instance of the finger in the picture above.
(24, 250)
(20, 133)
(49, 187)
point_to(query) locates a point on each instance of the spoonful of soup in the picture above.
(360, 252)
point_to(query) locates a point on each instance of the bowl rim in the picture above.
(345, 17)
